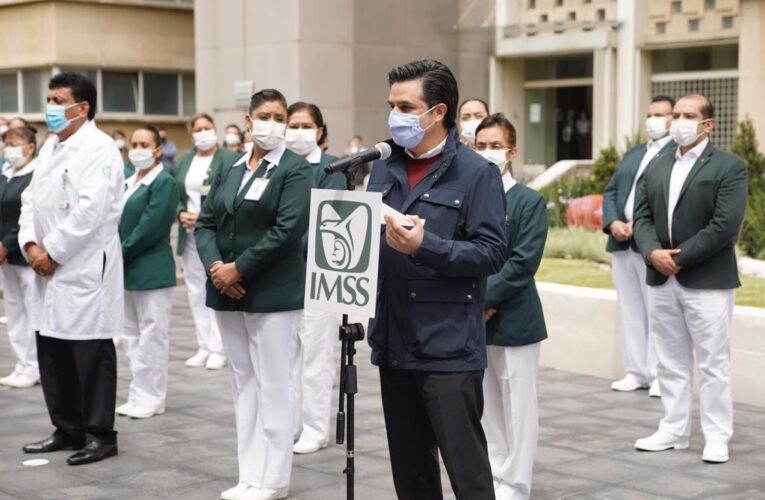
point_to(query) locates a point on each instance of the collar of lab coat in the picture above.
(79, 137)
(28, 169)
(272, 157)
(314, 157)
(148, 178)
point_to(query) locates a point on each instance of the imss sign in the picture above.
(343, 252)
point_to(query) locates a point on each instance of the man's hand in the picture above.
(406, 241)
(187, 219)
(235, 291)
(488, 314)
(663, 261)
(621, 231)
(3, 255)
(40, 260)
(225, 276)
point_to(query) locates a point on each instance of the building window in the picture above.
(120, 91)
(677, 7)
(160, 94)
(727, 22)
(9, 93)
(661, 28)
(693, 25)
(587, 2)
(601, 14)
(543, 18)
(35, 89)
(709, 5)
(572, 16)
(189, 92)
(532, 4)
(559, 3)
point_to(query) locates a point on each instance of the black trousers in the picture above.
(427, 412)
(79, 382)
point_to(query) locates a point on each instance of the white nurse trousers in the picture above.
(195, 277)
(19, 306)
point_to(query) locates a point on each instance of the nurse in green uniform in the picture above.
(194, 174)
(151, 200)
(249, 236)
(18, 277)
(315, 362)
(516, 324)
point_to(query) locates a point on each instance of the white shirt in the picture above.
(508, 182)
(272, 158)
(198, 171)
(429, 154)
(132, 184)
(10, 172)
(680, 170)
(652, 149)
(314, 157)
(72, 209)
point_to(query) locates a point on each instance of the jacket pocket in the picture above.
(440, 207)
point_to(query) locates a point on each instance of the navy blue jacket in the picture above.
(430, 306)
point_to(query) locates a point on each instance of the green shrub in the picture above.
(752, 237)
(577, 243)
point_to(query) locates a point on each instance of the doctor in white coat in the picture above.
(68, 231)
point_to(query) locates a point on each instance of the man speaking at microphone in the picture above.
(428, 335)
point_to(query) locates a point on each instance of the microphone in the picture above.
(381, 151)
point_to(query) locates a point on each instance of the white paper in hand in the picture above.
(397, 216)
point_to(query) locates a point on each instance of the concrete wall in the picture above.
(584, 338)
(751, 66)
(334, 53)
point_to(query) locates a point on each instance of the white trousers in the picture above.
(684, 320)
(260, 350)
(146, 340)
(195, 277)
(510, 415)
(629, 273)
(19, 306)
(313, 374)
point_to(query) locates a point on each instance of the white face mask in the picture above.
(232, 139)
(656, 127)
(142, 158)
(300, 141)
(684, 131)
(268, 134)
(120, 143)
(495, 156)
(467, 129)
(205, 140)
(3, 129)
(351, 150)
(14, 156)
(248, 146)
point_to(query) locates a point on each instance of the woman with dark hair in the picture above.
(233, 139)
(469, 115)
(151, 200)
(18, 277)
(515, 323)
(249, 236)
(194, 174)
(314, 366)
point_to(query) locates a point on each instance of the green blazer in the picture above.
(262, 237)
(322, 180)
(706, 220)
(618, 190)
(221, 157)
(512, 291)
(145, 234)
(10, 210)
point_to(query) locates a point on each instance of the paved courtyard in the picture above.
(585, 449)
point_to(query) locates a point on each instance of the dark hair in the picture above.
(27, 133)
(80, 86)
(266, 95)
(361, 139)
(664, 98)
(316, 116)
(483, 103)
(18, 118)
(198, 116)
(118, 132)
(438, 84)
(153, 131)
(707, 108)
(499, 120)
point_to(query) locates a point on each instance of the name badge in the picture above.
(256, 189)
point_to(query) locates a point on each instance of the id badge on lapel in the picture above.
(256, 189)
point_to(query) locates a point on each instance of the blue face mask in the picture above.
(405, 129)
(55, 117)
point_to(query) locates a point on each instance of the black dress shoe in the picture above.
(94, 451)
(53, 443)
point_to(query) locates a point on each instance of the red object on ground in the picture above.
(586, 212)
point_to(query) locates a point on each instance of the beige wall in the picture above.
(27, 51)
(335, 53)
(751, 66)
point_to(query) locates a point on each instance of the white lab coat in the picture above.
(72, 208)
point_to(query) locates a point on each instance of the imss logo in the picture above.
(343, 240)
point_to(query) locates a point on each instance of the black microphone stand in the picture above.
(349, 334)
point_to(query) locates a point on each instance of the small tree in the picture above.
(603, 169)
(752, 238)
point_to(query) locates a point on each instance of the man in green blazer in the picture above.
(627, 265)
(690, 206)
(516, 323)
